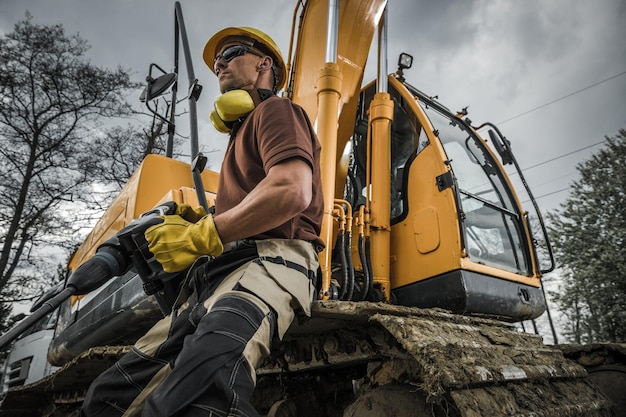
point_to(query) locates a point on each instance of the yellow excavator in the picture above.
(430, 261)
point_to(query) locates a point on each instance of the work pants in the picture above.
(200, 360)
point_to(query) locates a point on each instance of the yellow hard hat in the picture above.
(258, 40)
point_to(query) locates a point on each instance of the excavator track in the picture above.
(362, 359)
(606, 365)
(458, 365)
(61, 393)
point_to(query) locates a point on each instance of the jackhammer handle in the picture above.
(45, 308)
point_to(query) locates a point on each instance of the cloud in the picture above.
(500, 57)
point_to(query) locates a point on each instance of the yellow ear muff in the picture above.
(218, 123)
(230, 107)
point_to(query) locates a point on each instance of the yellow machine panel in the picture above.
(157, 179)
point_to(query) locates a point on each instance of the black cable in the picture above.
(561, 98)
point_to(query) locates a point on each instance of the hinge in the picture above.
(445, 180)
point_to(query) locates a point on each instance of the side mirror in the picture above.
(157, 86)
(502, 146)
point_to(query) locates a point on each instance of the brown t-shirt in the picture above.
(276, 130)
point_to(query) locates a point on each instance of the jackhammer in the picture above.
(127, 250)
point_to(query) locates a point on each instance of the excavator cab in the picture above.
(459, 238)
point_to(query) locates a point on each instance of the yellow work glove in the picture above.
(177, 243)
(190, 214)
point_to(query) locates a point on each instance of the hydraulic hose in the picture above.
(366, 271)
(348, 250)
(368, 259)
(341, 248)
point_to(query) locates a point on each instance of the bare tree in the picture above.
(53, 101)
(118, 153)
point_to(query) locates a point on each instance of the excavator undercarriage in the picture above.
(364, 359)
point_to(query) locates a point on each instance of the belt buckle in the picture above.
(234, 244)
(228, 246)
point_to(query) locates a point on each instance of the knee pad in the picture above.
(238, 313)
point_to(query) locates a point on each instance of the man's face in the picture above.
(236, 66)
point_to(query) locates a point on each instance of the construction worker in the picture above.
(252, 264)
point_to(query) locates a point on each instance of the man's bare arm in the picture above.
(285, 192)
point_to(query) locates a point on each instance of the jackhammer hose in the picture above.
(111, 259)
(29, 321)
(92, 274)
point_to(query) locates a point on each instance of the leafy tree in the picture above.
(53, 102)
(589, 237)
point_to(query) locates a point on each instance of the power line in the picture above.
(566, 154)
(557, 157)
(553, 192)
(560, 179)
(562, 156)
(562, 98)
(552, 160)
(547, 194)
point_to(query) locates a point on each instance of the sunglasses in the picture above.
(233, 52)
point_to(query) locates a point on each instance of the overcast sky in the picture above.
(553, 72)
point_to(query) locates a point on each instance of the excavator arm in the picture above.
(357, 24)
(325, 79)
